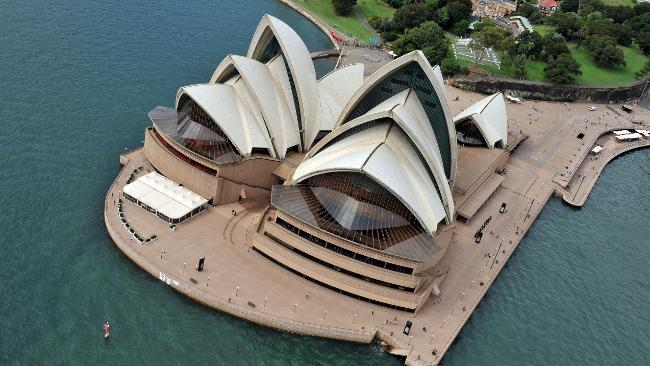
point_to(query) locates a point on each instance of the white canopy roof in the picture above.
(164, 195)
(645, 133)
(629, 136)
(489, 115)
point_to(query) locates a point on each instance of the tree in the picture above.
(478, 50)
(570, 6)
(450, 67)
(411, 15)
(563, 69)
(567, 24)
(519, 69)
(619, 13)
(488, 35)
(603, 51)
(442, 17)
(343, 7)
(530, 44)
(431, 39)
(643, 39)
(641, 8)
(461, 28)
(640, 23)
(589, 6)
(526, 9)
(607, 28)
(645, 70)
(458, 10)
(554, 45)
(428, 37)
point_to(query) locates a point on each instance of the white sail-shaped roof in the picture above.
(267, 97)
(406, 110)
(438, 74)
(300, 66)
(221, 103)
(384, 154)
(411, 71)
(489, 116)
(335, 89)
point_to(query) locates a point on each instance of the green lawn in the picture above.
(535, 70)
(629, 3)
(349, 25)
(543, 29)
(593, 74)
(375, 7)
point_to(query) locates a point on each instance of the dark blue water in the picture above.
(78, 78)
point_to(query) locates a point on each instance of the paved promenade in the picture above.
(592, 166)
(240, 282)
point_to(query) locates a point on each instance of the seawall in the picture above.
(553, 92)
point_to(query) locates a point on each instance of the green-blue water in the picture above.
(78, 78)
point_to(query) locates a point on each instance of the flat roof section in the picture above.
(476, 201)
(473, 162)
(164, 195)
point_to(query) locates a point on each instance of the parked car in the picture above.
(407, 327)
(503, 208)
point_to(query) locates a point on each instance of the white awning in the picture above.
(645, 133)
(597, 149)
(164, 195)
(629, 136)
(621, 132)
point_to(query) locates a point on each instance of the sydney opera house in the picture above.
(363, 176)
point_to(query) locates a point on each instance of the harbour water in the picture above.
(79, 77)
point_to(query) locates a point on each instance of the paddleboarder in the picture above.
(107, 330)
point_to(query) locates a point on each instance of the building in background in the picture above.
(493, 8)
(548, 7)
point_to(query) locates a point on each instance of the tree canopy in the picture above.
(603, 51)
(554, 45)
(428, 37)
(343, 7)
(562, 70)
